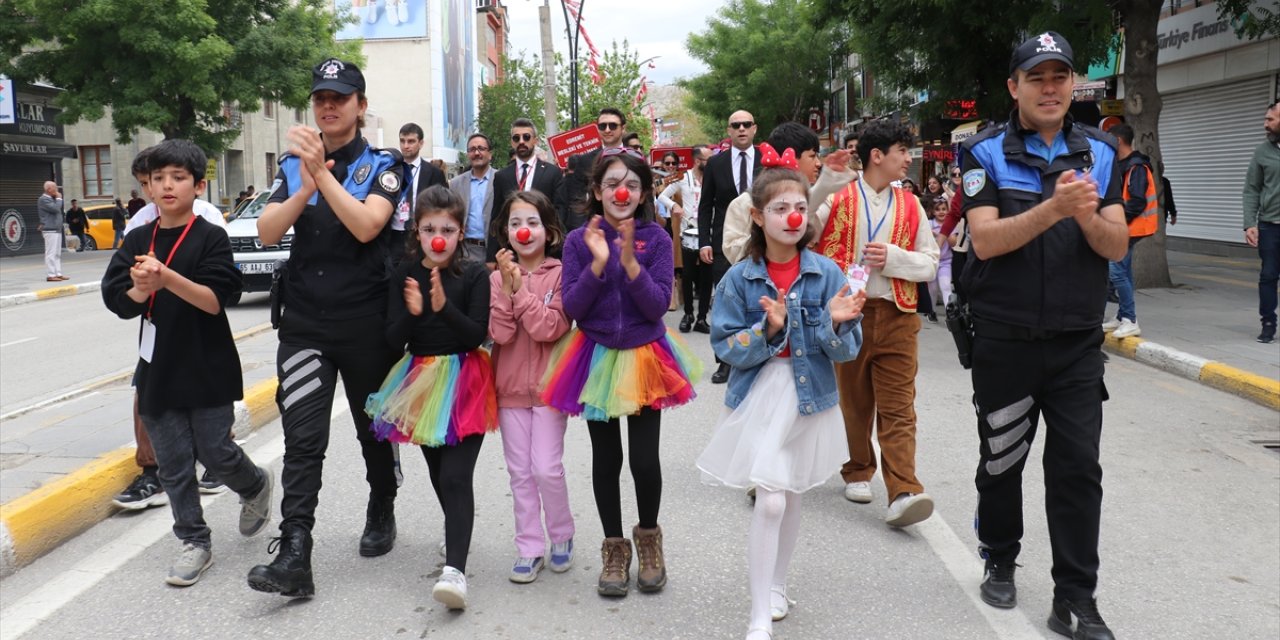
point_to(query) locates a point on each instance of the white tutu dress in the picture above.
(766, 442)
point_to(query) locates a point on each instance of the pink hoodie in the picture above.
(525, 328)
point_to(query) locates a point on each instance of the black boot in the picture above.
(379, 527)
(290, 573)
(1088, 622)
(686, 323)
(721, 375)
(998, 588)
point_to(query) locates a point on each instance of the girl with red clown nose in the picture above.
(622, 360)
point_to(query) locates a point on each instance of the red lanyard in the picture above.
(151, 251)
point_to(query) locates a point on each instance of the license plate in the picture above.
(257, 267)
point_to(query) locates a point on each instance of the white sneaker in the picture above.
(859, 492)
(1127, 329)
(908, 509)
(451, 589)
(1111, 325)
(191, 564)
(402, 11)
(372, 12)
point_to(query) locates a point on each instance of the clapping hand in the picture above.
(626, 242)
(511, 277)
(412, 296)
(593, 237)
(845, 307)
(775, 313)
(437, 291)
(305, 143)
(1075, 197)
(147, 274)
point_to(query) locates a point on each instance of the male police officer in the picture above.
(1042, 196)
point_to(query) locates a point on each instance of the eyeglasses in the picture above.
(521, 137)
(444, 231)
(608, 126)
(742, 125)
(477, 149)
(783, 208)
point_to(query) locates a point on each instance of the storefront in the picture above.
(31, 152)
(1216, 88)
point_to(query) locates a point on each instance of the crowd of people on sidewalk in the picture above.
(511, 299)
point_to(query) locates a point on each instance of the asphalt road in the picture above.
(1190, 523)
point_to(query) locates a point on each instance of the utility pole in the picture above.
(549, 110)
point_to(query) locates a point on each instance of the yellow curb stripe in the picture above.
(56, 292)
(260, 400)
(1127, 347)
(41, 520)
(1263, 390)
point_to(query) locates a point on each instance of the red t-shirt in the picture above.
(783, 275)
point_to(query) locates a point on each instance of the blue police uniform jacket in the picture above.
(333, 275)
(738, 330)
(1056, 282)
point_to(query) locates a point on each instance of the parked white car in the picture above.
(255, 260)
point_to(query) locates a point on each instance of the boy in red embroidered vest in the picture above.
(883, 230)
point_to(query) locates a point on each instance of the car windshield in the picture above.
(255, 207)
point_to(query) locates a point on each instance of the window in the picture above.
(271, 168)
(95, 171)
(268, 110)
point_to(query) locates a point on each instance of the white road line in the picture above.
(966, 569)
(10, 344)
(43, 603)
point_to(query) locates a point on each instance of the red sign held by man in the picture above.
(571, 143)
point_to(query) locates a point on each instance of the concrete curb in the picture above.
(49, 293)
(38, 522)
(1249, 386)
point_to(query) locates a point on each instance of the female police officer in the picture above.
(337, 193)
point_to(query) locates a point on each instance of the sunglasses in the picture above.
(521, 137)
(955, 174)
(670, 164)
(608, 126)
(742, 125)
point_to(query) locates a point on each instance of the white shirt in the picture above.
(402, 212)
(203, 208)
(533, 167)
(734, 155)
(690, 190)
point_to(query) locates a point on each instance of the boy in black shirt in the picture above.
(177, 273)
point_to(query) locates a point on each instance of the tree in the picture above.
(170, 66)
(769, 57)
(619, 84)
(519, 95)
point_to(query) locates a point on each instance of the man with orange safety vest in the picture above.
(1140, 204)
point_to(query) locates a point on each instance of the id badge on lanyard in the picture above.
(147, 341)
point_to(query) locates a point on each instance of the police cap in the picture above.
(1049, 45)
(338, 76)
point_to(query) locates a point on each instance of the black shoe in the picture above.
(290, 573)
(933, 317)
(145, 491)
(210, 483)
(686, 323)
(379, 527)
(998, 588)
(1268, 334)
(1088, 622)
(721, 375)
(701, 326)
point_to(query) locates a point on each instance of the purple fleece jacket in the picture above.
(611, 310)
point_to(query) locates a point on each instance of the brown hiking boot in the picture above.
(652, 575)
(615, 570)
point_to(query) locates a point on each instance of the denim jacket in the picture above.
(738, 330)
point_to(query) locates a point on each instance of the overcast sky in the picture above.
(653, 28)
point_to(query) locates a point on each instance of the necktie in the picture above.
(412, 185)
(742, 171)
(524, 174)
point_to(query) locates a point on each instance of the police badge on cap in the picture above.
(1047, 46)
(337, 76)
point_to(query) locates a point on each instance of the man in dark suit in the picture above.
(527, 173)
(419, 174)
(475, 187)
(613, 127)
(727, 174)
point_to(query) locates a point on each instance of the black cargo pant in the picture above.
(311, 355)
(1017, 377)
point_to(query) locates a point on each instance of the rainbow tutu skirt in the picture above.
(599, 383)
(435, 400)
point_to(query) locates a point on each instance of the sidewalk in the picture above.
(22, 278)
(60, 464)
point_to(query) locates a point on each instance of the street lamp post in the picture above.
(575, 29)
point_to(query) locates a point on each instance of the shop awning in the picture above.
(965, 130)
(35, 147)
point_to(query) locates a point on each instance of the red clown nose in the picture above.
(795, 219)
(621, 195)
(523, 234)
(437, 244)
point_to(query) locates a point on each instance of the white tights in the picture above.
(775, 527)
